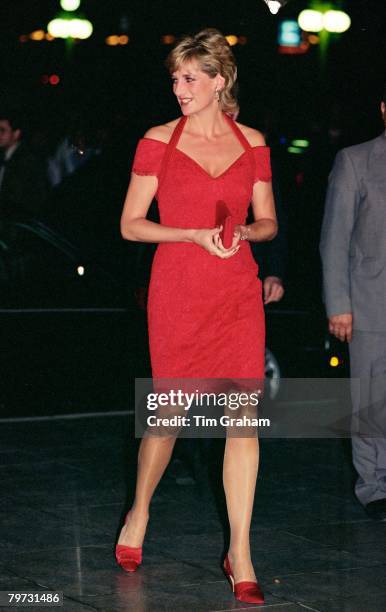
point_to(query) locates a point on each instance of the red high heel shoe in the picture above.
(246, 591)
(127, 557)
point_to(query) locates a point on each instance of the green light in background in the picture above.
(295, 150)
(300, 143)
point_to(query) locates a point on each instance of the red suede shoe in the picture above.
(246, 591)
(128, 558)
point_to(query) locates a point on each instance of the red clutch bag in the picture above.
(224, 218)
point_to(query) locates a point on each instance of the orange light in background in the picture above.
(168, 39)
(49, 36)
(115, 40)
(24, 38)
(313, 39)
(243, 40)
(37, 35)
(232, 39)
(54, 79)
(112, 41)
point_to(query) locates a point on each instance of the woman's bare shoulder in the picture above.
(254, 137)
(162, 132)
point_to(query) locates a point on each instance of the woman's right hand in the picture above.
(209, 239)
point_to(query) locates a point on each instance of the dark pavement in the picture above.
(65, 483)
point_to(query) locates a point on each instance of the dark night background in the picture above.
(73, 333)
(122, 91)
(132, 78)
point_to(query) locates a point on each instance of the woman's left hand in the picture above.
(241, 232)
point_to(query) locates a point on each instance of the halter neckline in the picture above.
(172, 146)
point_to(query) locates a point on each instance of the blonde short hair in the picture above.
(214, 55)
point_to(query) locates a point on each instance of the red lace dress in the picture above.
(205, 314)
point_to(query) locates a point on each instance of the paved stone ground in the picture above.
(65, 485)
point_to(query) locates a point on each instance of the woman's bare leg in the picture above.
(241, 462)
(153, 457)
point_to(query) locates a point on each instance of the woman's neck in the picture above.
(208, 123)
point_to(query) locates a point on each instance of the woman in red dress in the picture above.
(205, 311)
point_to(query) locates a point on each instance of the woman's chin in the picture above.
(186, 109)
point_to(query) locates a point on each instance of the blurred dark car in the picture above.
(69, 324)
(299, 345)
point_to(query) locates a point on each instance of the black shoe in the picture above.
(377, 509)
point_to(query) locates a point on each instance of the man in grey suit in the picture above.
(353, 251)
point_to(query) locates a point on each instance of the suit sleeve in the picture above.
(337, 227)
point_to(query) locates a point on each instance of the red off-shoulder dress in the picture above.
(205, 314)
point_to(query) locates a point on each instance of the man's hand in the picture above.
(341, 326)
(273, 289)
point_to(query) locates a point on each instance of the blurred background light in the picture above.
(274, 6)
(168, 39)
(80, 28)
(70, 28)
(334, 361)
(311, 21)
(112, 40)
(80, 270)
(59, 28)
(70, 5)
(300, 143)
(313, 39)
(336, 21)
(289, 33)
(115, 40)
(54, 79)
(295, 150)
(124, 23)
(232, 39)
(37, 35)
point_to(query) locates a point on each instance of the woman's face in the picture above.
(194, 89)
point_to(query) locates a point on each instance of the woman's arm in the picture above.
(263, 206)
(263, 203)
(265, 224)
(135, 226)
